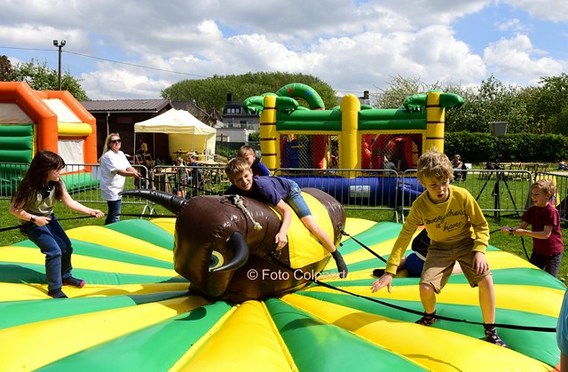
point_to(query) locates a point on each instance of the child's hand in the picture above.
(384, 281)
(480, 264)
(280, 240)
(507, 230)
(42, 221)
(96, 213)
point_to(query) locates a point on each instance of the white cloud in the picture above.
(514, 59)
(550, 10)
(120, 83)
(354, 46)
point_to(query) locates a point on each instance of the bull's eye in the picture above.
(216, 260)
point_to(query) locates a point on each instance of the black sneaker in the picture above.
(492, 337)
(56, 294)
(79, 283)
(378, 272)
(427, 319)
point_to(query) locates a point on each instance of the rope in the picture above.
(364, 246)
(146, 215)
(522, 243)
(81, 217)
(408, 310)
(59, 219)
(238, 202)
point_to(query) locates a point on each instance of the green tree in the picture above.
(398, 89)
(492, 101)
(6, 69)
(548, 104)
(212, 92)
(41, 77)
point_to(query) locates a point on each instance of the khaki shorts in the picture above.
(440, 263)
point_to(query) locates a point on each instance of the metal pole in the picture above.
(59, 44)
(59, 70)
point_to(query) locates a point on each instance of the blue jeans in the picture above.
(114, 208)
(550, 264)
(297, 201)
(55, 244)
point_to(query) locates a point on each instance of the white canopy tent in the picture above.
(185, 132)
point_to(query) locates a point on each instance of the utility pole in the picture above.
(59, 44)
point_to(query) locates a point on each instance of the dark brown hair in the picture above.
(35, 179)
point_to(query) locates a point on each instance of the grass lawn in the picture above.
(507, 243)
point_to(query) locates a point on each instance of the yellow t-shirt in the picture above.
(448, 224)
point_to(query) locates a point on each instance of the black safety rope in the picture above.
(364, 246)
(402, 308)
(147, 215)
(58, 219)
(81, 217)
(522, 243)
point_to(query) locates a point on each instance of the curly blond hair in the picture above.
(434, 164)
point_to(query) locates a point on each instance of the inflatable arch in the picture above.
(357, 136)
(32, 121)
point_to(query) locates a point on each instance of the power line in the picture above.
(109, 60)
(136, 65)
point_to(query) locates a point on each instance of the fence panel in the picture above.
(560, 179)
(499, 192)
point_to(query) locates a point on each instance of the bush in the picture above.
(523, 147)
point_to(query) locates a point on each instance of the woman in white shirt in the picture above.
(114, 167)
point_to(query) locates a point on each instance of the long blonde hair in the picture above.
(106, 146)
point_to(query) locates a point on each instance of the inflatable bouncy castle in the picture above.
(32, 121)
(349, 137)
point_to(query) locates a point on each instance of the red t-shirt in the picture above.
(538, 217)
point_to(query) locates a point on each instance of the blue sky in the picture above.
(134, 49)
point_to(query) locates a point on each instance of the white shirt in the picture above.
(111, 182)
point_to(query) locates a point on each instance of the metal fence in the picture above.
(499, 192)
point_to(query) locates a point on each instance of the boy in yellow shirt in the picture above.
(458, 231)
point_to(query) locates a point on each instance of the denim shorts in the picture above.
(297, 201)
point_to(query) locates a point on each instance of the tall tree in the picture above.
(548, 104)
(399, 88)
(41, 77)
(6, 69)
(212, 92)
(491, 101)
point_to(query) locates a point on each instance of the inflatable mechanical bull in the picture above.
(224, 245)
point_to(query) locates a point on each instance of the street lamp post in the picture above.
(59, 44)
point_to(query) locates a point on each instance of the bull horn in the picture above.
(171, 202)
(240, 249)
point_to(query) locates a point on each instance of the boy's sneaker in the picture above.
(79, 283)
(378, 272)
(427, 319)
(492, 336)
(56, 294)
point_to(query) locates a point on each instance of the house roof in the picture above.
(126, 105)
